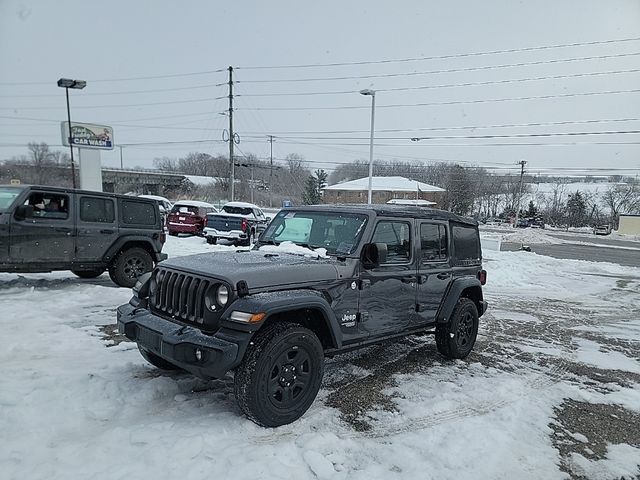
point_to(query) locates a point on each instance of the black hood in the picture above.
(258, 269)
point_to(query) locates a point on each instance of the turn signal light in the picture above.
(482, 276)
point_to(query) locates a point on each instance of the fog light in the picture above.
(198, 354)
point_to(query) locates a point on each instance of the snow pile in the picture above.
(531, 236)
(290, 247)
(622, 461)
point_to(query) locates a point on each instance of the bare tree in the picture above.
(622, 197)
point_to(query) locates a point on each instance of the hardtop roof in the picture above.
(389, 210)
(79, 191)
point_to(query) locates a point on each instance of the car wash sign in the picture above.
(86, 135)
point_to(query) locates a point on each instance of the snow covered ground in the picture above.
(551, 391)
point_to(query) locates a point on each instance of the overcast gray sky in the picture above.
(182, 44)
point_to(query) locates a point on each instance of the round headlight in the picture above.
(222, 296)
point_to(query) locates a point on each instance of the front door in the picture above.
(48, 237)
(434, 272)
(388, 292)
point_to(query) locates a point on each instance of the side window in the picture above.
(397, 236)
(433, 242)
(138, 213)
(466, 243)
(97, 210)
(49, 205)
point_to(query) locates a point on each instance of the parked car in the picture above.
(43, 229)
(523, 223)
(237, 221)
(602, 229)
(188, 216)
(537, 223)
(273, 313)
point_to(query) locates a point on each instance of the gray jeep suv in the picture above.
(48, 228)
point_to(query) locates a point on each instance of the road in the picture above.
(629, 258)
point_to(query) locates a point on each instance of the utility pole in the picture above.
(120, 147)
(271, 173)
(522, 163)
(231, 139)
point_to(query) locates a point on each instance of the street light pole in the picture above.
(68, 83)
(372, 93)
(73, 167)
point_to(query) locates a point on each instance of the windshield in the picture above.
(338, 233)
(7, 196)
(237, 210)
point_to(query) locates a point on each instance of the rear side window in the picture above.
(138, 213)
(97, 210)
(466, 243)
(433, 241)
(397, 236)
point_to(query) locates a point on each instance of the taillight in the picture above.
(482, 276)
(245, 224)
(163, 237)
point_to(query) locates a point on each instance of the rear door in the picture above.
(97, 227)
(434, 270)
(48, 237)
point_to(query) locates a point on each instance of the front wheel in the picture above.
(130, 265)
(456, 338)
(280, 374)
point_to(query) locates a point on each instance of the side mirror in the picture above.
(373, 255)
(23, 212)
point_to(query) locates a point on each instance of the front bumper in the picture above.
(177, 344)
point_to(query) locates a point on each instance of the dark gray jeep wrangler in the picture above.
(47, 228)
(320, 281)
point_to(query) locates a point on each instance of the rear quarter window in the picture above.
(138, 213)
(466, 244)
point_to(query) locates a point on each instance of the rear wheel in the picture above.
(88, 273)
(280, 374)
(157, 361)
(456, 338)
(211, 240)
(129, 265)
(173, 234)
(251, 240)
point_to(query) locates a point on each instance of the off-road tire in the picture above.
(129, 265)
(211, 240)
(157, 361)
(88, 273)
(173, 234)
(456, 338)
(268, 391)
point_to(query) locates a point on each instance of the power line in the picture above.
(127, 92)
(441, 57)
(446, 85)
(453, 102)
(124, 79)
(195, 100)
(448, 70)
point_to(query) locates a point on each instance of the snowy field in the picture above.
(551, 391)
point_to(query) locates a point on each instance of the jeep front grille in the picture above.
(179, 295)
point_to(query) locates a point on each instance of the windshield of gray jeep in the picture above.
(338, 233)
(7, 196)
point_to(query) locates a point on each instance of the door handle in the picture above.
(443, 276)
(106, 231)
(62, 229)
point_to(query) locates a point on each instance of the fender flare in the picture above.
(272, 303)
(453, 294)
(116, 246)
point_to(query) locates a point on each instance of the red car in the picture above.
(188, 216)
